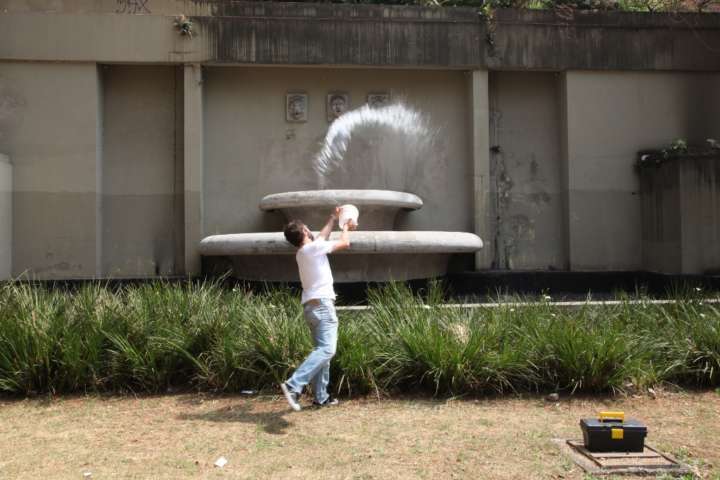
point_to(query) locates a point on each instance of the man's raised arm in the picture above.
(325, 232)
(344, 241)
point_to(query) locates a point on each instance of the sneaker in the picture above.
(330, 402)
(292, 398)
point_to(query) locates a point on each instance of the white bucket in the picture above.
(347, 213)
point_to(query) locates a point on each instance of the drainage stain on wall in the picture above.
(513, 229)
(681, 215)
(526, 174)
(11, 104)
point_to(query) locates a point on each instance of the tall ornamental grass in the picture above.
(163, 336)
(419, 345)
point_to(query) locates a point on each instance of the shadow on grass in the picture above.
(271, 422)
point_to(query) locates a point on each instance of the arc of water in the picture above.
(398, 117)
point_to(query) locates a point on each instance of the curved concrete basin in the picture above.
(378, 208)
(373, 256)
(274, 243)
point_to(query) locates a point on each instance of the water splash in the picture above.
(397, 118)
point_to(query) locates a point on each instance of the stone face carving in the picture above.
(337, 104)
(296, 107)
(378, 99)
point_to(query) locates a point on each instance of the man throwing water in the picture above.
(318, 299)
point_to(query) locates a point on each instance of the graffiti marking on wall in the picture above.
(132, 6)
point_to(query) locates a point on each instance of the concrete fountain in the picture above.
(378, 252)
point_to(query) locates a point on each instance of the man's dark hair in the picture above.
(294, 232)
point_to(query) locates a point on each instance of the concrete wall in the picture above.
(250, 151)
(49, 126)
(681, 215)
(610, 117)
(276, 33)
(700, 207)
(5, 217)
(661, 218)
(98, 192)
(142, 204)
(525, 129)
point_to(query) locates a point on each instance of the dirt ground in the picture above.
(181, 436)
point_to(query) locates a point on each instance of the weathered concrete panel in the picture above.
(344, 38)
(271, 33)
(700, 207)
(229, 8)
(527, 39)
(250, 151)
(359, 35)
(141, 196)
(610, 117)
(137, 7)
(661, 219)
(92, 38)
(54, 235)
(527, 170)
(49, 130)
(5, 217)
(681, 215)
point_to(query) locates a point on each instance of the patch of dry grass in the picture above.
(180, 436)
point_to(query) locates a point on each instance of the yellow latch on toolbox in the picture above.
(617, 433)
(616, 416)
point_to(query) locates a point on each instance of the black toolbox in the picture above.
(611, 432)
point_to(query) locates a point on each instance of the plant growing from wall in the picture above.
(487, 13)
(679, 148)
(184, 25)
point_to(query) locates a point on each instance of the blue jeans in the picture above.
(315, 370)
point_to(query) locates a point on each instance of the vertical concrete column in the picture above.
(193, 166)
(481, 167)
(565, 169)
(5, 218)
(99, 151)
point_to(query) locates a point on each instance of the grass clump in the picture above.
(421, 345)
(694, 345)
(159, 336)
(585, 351)
(48, 341)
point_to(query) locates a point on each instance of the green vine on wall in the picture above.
(679, 148)
(565, 9)
(487, 13)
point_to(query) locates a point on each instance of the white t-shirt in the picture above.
(315, 274)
